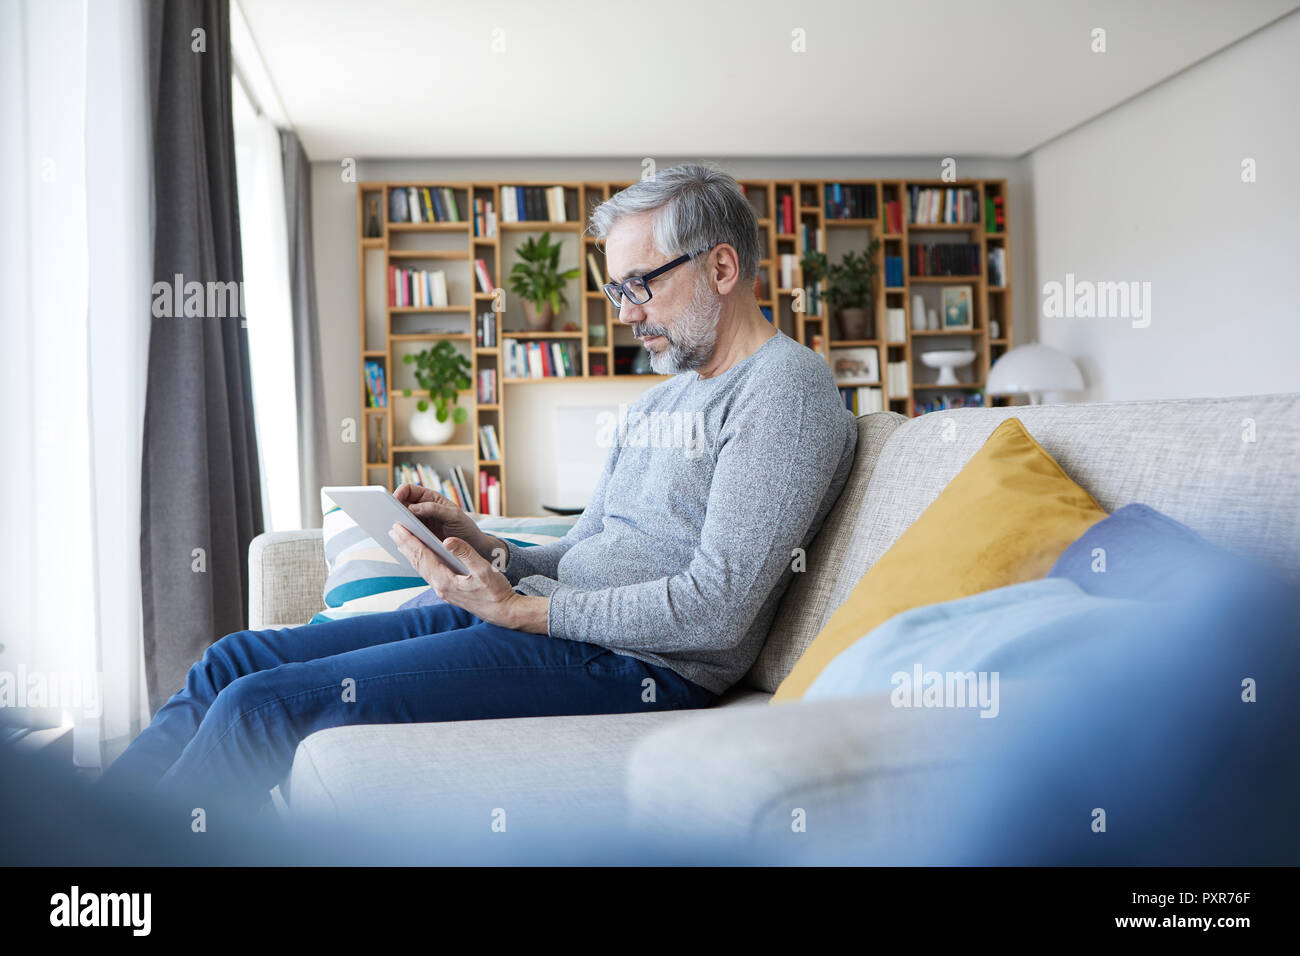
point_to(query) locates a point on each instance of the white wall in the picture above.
(530, 452)
(1152, 191)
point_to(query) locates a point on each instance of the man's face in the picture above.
(679, 324)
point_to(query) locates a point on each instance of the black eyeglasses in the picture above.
(636, 289)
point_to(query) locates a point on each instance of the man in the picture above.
(659, 597)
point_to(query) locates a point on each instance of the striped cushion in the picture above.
(363, 578)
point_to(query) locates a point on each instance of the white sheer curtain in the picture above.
(268, 305)
(74, 276)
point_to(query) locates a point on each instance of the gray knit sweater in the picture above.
(687, 545)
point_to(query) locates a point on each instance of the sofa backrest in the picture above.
(1228, 468)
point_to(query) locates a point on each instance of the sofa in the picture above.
(1229, 468)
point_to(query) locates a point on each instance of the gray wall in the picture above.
(530, 451)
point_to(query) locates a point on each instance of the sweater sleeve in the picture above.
(544, 559)
(774, 461)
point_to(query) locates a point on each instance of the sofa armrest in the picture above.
(861, 774)
(286, 578)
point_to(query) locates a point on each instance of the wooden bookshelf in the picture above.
(602, 343)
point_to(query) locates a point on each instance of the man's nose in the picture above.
(631, 314)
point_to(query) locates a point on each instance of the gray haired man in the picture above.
(659, 597)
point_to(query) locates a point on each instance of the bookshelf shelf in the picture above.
(794, 216)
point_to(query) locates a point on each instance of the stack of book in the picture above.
(376, 388)
(944, 259)
(898, 379)
(863, 400)
(485, 330)
(850, 202)
(533, 204)
(541, 359)
(487, 386)
(893, 272)
(489, 450)
(942, 205)
(997, 266)
(994, 217)
(416, 288)
(944, 402)
(426, 476)
(422, 204)
(895, 326)
(484, 278)
(785, 214)
(485, 218)
(893, 217)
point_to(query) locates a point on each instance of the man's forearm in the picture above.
(529, 613)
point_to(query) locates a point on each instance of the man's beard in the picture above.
(691, 343)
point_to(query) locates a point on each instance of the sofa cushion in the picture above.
(363, 578)
(809, 599)
(1004, 518)
(1226, 467)
(541, 770)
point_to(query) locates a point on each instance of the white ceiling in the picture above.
(418, 78)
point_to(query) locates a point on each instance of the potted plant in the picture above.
(442, 371)
(850, 287)
(538, 281)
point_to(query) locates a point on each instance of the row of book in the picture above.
(893, 271)
(485, 330)
(898, 379)
(541, 359)
(895, 327)
(487, 386)
(944, 259)
(416, 288)
(997, 266)
(422, 204)
(485, 217)
(454, 487)
(994, 215)
(488, 448)
(941, 403)
(484, 277)
(533, 204)
(951, 204)
(376, 387)
(856, 201)
(863, 400)
(595, 279)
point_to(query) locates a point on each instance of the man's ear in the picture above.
(724, 268)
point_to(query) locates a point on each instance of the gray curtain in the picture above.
(201, 501)
(313, 456)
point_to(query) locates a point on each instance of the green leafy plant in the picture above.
(440, 370)
(850, 284)
(538, 279)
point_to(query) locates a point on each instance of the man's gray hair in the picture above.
(699, 206)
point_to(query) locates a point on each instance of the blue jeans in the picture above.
(230, 735)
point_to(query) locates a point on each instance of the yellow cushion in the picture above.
(1005, 518)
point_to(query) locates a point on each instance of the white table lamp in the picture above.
(1034, 369)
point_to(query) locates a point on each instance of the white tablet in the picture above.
(376, 511)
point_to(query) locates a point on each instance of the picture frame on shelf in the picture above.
(856, 366)
(958, 308)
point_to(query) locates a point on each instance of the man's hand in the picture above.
(446, 519)
(484, 592)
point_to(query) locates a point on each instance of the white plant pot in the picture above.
(427, 430)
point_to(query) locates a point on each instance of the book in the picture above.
(593, 272)
(484, 280)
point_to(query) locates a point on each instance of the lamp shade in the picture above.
(1031, 369)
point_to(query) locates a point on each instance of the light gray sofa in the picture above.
(1229, 468)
